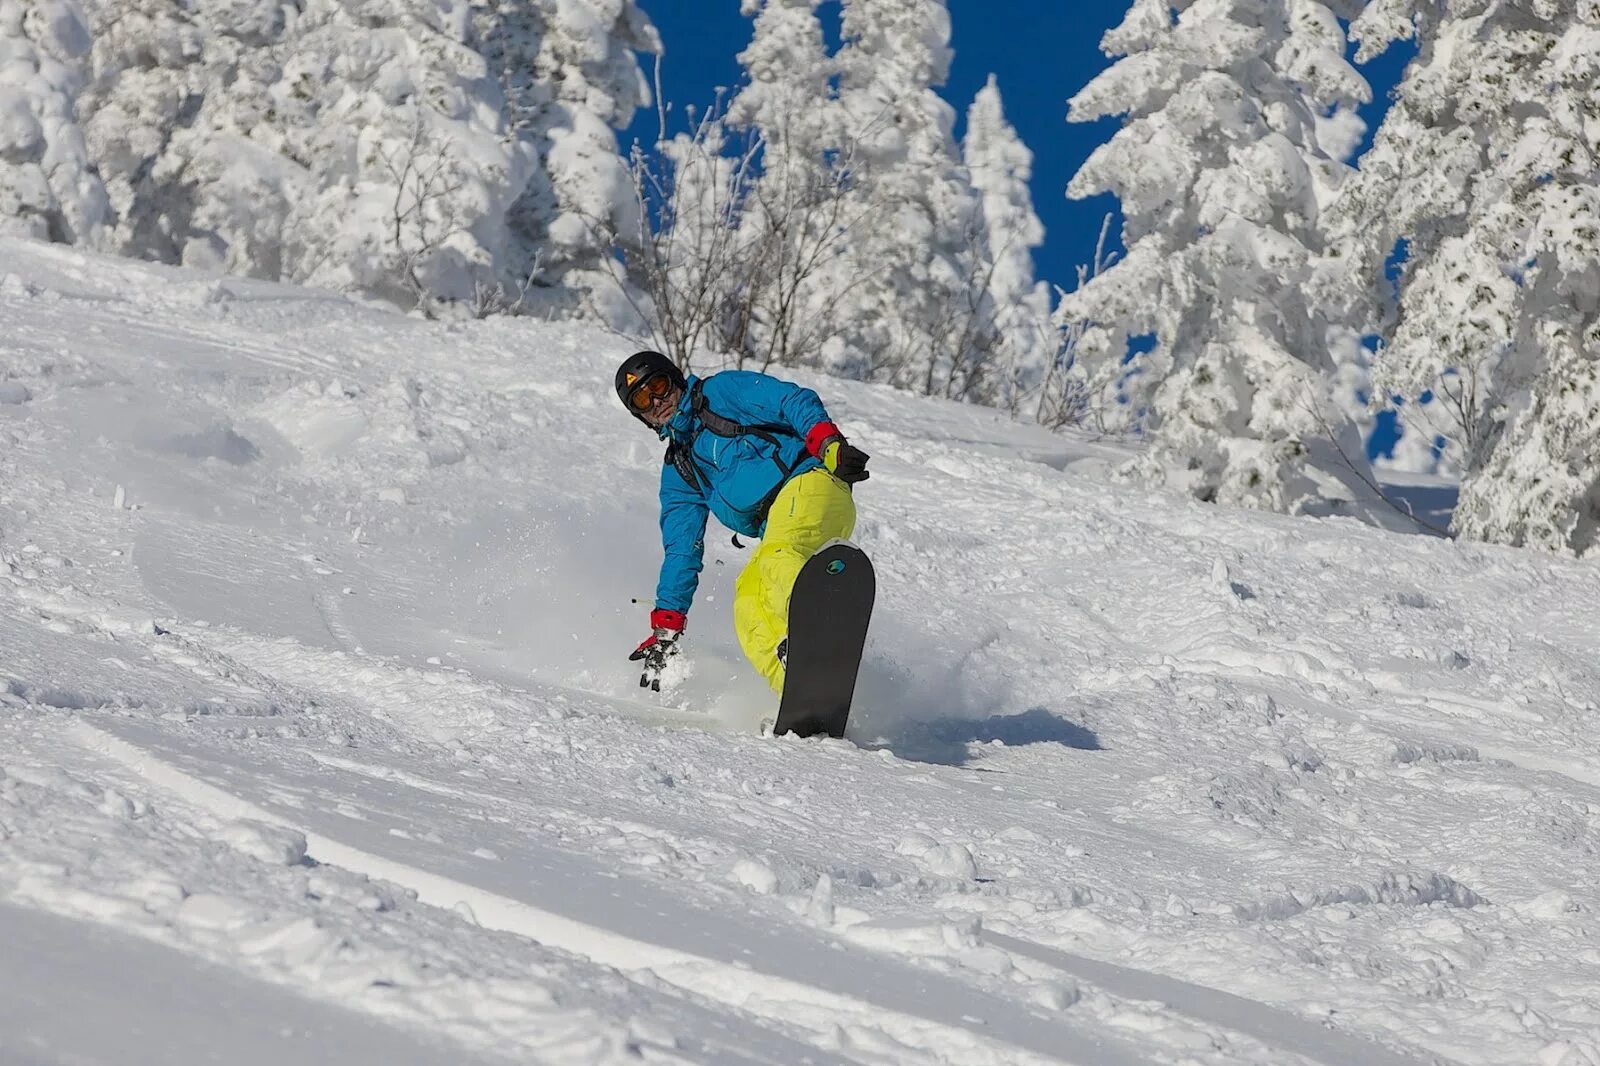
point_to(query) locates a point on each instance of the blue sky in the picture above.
(1044, 51)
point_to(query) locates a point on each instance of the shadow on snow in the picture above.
(950, 741)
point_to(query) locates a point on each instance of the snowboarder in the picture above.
(763, 456)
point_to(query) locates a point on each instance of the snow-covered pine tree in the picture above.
(367, 144)
(1222, 177)
(794, 217)
(48, 189)
(156, 66)
(905, 274)
(571, 79)
(1488, 169)
(787, 98)
(1000, 167)
(413, 167)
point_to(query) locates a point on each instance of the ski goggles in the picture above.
(648, 391)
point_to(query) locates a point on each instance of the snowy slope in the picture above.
(314, 710)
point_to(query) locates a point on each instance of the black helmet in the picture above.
(643, 365)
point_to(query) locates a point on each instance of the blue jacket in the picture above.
(736, 474)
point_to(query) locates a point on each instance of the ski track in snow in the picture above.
(914, 1008)
(136, 1018)
(313, 693)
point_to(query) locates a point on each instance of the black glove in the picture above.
(845, 461)
(658, 647)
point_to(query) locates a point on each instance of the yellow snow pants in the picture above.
(809, 511)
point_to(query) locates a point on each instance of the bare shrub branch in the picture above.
(425, 211)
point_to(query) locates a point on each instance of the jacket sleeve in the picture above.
(683, 539)
(761, 399)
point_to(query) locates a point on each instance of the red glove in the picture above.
(665, 629)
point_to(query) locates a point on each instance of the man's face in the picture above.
(660, 412)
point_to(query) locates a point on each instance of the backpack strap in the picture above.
(678, 456)
(681, 456)
(727, 427)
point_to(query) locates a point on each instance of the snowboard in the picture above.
(828, 615)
